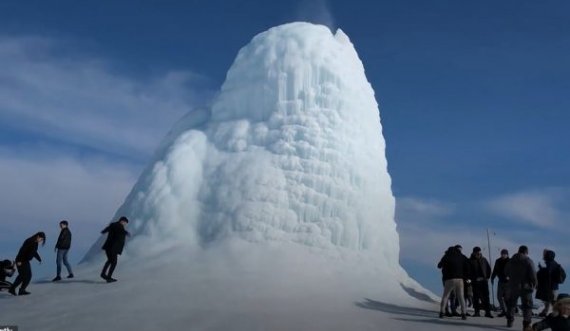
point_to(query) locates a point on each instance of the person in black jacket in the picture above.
(521, 273)
(7, 269)
(548, 281)
(499, 272)
(114, 246)
(28, 251)
(62, 248)
(454, 267)
(480, 272)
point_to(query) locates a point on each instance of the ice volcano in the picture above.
(287, 165)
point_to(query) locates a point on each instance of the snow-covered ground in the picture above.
(274, 290)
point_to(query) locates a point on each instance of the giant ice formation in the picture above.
(291, 151)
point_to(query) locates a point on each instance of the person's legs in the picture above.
(113, 261)
(448, 287)
(58, 261)
(458, 288)
(501, 297)
(66, 262)
(26, 271)
(512, 296)
(484, 294)
(476, 298)
(453, 301)
(106, 266)
(526, 299)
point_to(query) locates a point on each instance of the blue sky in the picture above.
(473, 97)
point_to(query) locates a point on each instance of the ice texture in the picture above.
(291, 150)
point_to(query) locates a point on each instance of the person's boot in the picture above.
(502, 314)
(23, 292)
(455, 313)
(510, 322)
(70, 276)
(526, 326)
(104, 276)
(441, 314)
(463, 317)
(56, 279)
(488, 315)
(12, 290)
(477, 314)
(111, 280)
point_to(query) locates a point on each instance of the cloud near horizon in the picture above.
(81, 100)
(539, 208)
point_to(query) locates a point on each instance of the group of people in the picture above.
(113, 247)
(468, 279)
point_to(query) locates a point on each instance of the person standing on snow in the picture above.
(28, 251)
(114, 246)
(521, 274)
(454, 267)
(62, 248)
(480, 272)
(499, 272)
(549, 278)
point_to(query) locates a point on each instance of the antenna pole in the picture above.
(490, 261)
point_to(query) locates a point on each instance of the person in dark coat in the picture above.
(480, 272)
(28, 251)
(114, 246)
(499, 272)
(559, 320)
(548, 281)
(454, 267)
(521, 274)
(7, 269)
(62, 248)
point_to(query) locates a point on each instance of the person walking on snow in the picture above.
(114, 246)
(499, 272)
(521, 274)
(454, 267)
(480, 272)
(549, 278)
(28, 251)
(62, 248)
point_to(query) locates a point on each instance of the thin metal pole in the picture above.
(491, 261)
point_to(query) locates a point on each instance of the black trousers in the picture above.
(24, 275)
(110, 264)
(481, 296)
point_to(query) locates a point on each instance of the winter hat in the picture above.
(476, 249)
(458, 246)
(564, 301)
(504, 251)
(123, 218)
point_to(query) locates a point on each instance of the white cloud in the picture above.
(81, 101)
(540, 208)
(39, 191)
(427, 208)
(428, 227)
